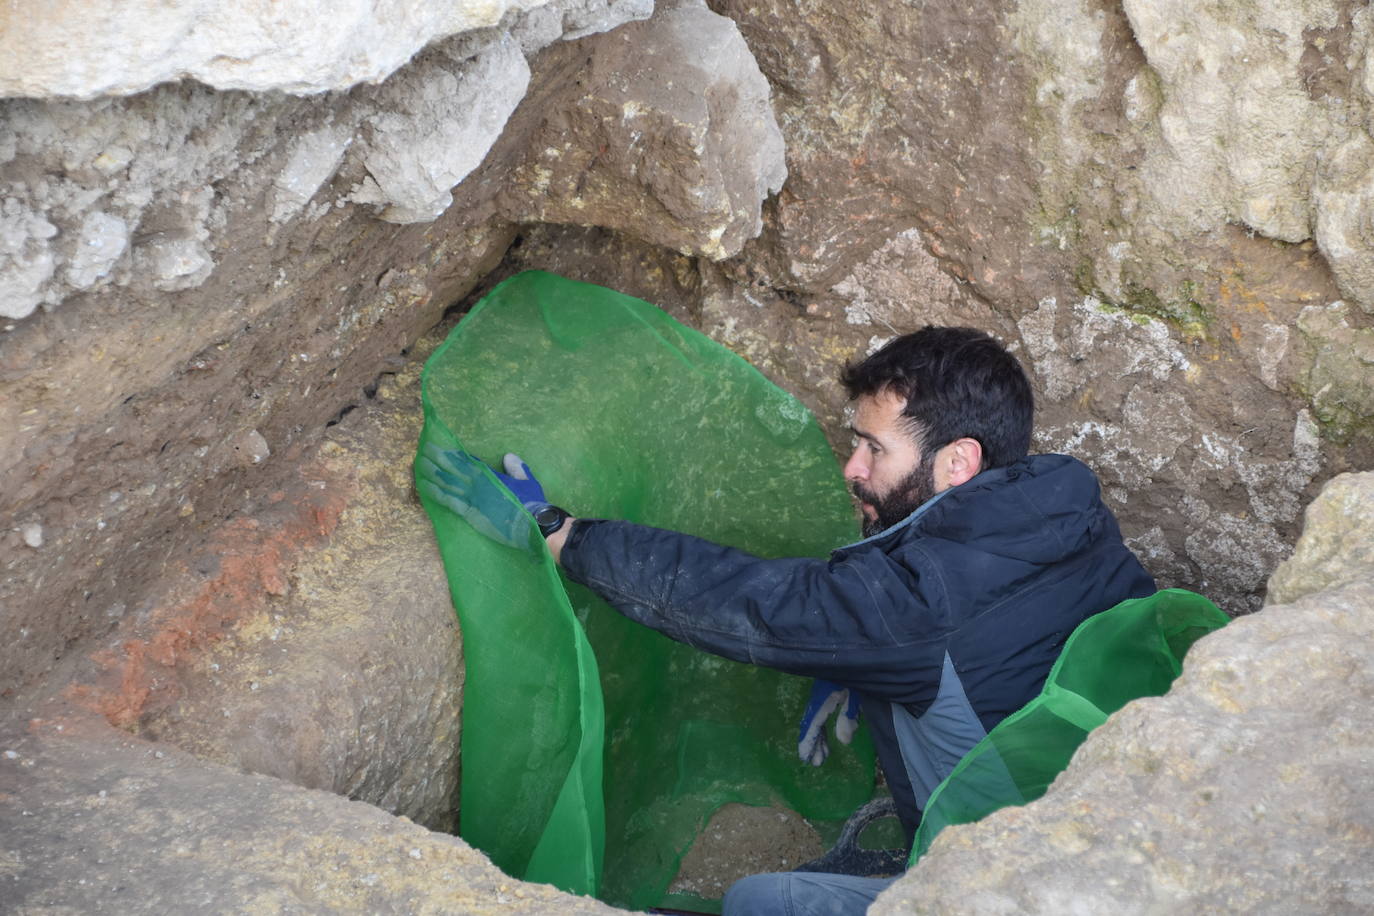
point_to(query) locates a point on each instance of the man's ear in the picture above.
(964, 459)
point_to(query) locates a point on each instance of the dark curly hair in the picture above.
(958, 382)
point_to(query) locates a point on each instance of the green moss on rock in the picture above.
(1339, 380)
(1184, 312)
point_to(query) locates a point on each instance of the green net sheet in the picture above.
(583, 731)
(1135, 649)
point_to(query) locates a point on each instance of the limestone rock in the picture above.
(1340, 373)
(662, 129)
(122, 192)
(350, 677)
(95, 821)
(1246, 788)
(300, 46)
(1336, 547)
(434, 127)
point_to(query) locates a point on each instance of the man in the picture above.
(977, 563)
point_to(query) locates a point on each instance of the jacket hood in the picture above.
(1042, 509)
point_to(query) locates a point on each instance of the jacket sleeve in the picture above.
(858, 621)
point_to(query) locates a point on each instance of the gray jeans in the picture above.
(802, 893)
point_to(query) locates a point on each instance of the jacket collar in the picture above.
(894, 530)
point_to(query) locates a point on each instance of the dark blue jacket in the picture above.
(944, 623)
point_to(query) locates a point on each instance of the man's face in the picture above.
(888, 473)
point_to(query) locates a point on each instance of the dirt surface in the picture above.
(741, 840)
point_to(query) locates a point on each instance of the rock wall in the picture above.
(1107, 178)
(197, 280)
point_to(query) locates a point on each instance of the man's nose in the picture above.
(855, 469)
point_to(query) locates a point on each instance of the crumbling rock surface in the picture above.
(145, 193)
(347, 676)
(662, 129)
(1246, 788)
(198, 281)
(92, 820)
(88, 49)
(1136, 171)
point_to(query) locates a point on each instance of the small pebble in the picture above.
(12, 755)
(32, 533)
(416, 854)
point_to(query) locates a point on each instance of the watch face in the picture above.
(549, 519)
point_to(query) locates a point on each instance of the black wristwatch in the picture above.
(550, 519)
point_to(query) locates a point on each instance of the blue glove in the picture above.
(522, 483)
(465, 486)
(826, 697)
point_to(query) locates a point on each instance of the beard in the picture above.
(903, 499)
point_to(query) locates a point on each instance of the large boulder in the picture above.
(342, 668)
(662, 129)
(94, 821)
(1336, 547)
(1246, 788)
(300, 46)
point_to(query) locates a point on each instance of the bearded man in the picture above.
(977, 563)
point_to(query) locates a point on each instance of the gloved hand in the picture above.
(520, 481)
(826, 697)
(459, 482)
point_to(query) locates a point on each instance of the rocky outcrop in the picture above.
(94, 821)
(344, 671)
(1244, 789)
(198, 280)
(301, 46)
(145, 193)
(661, 129)
(211, 247)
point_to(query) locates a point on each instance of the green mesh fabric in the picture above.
(1134, 649)
(582, 730)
